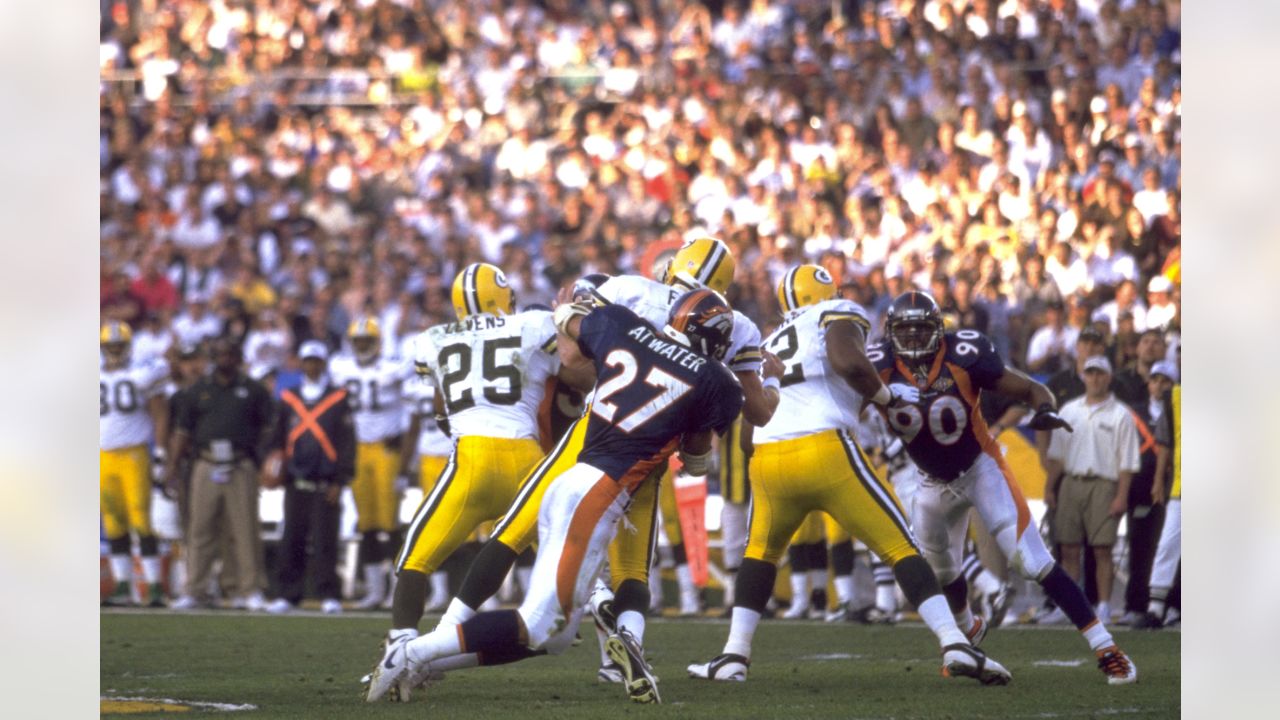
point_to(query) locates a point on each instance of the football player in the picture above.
(657, 391)
(375, 388)
(705, 261)
(948, 439)
(490, 370)
(132, 413)
(805, 459)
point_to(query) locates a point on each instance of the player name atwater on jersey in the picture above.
(646, 392)
(945, 431)
(652, 301)
(492, 371)
(667, 348)
(376, 394)
(813, 397)
(123, 420)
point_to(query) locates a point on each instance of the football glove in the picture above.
(903, 393)
(1047, 418)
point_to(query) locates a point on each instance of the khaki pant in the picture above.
(224, 512)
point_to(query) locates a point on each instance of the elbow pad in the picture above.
(696, 464)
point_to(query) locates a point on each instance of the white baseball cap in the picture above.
(1166, 368)
(313, 349)
(1098, 362)
(1160, 283)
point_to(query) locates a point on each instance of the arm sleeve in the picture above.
(987, 367)
(744, 354)
(1128, 449)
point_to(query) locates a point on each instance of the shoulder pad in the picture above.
(830, 311)
(966, 347)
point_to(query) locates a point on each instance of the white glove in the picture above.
(903, 393)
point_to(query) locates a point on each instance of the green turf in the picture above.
(308, 667)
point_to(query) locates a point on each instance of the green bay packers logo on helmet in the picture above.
(482, 288)
(704, 262)
(803, 286)
(366, 338)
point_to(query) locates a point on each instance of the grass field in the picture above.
(309, 666)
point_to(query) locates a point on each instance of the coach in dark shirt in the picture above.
(223, 419)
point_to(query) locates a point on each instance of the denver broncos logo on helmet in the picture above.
(803, 286)
(702, 320)
(482, 288)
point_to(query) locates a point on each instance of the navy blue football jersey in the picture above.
(945, 432)
(649, 392)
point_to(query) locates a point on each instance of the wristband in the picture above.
(882, 396)
(772, 382)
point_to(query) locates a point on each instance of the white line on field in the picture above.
(221, 707)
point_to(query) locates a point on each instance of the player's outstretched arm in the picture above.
(847, 353)
(761, 397)
(1019, 386)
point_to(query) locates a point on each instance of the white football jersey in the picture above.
(376, 393)
(492, 369)
(652, 301)
(123, 420)
(814, 398)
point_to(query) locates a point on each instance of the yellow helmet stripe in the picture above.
(470, 294)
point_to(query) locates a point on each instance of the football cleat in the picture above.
(642, 684)
(728, 667)
(155, 596)
(611, 673)
(977, 631)
(1117, 666)
(959, 660)
(872, 615)
(393, 666)
(842, 613)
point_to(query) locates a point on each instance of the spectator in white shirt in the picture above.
(196, 323)
(1051, 348)
(1161, 307)
(1125, 301)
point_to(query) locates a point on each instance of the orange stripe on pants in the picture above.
(586, 517)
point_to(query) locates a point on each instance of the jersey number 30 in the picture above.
(670, 389)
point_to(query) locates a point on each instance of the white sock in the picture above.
(632, 622)
(887, 597)
(602, 637)
(818, 579)
(122, 568)
(375, 580)
(457, 613)
(396, 633)
(441, 642)
(799, 589)
(1103, 611)
(439, 584)
(844, 589)
(964, 619)
(730, 582)
(455, 662)
(1097, 636)
(525, 576)
(741, 630)
(937, 615)
(151, 569)
(655, 588)
(684, 578)
(986, 583)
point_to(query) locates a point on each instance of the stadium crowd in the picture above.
(272, 170)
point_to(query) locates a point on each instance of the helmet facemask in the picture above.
(915, 338)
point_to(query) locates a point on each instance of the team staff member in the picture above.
(1168, 463)
(225, 417)
(314, 430)
(1095, 465)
